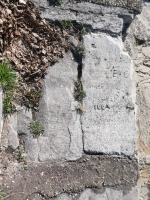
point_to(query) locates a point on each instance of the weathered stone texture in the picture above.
(131, 5)
(102, 18)
(137, 44)
(110, 23)
(103, 194)
(51, 179)
(26, 139)
(13, 140)
(62, 137)
(108, 121)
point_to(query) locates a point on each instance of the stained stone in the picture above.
(13, 140)
(108, 122)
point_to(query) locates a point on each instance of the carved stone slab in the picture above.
(108, 122)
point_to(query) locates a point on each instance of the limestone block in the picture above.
(30, 144)
(107, 22)
(110, 194)
(108, 122)
(132, 6)
(13, 140)
(62, 137)
(146, 51)
(24, 119)
(104, 194)
(32, 149)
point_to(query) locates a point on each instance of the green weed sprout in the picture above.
(35, 128)
(79, 93)
(7, 77)
(8, 83)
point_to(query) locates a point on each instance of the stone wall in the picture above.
(102, 146)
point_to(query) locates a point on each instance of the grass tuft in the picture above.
(8, 83)
(7, 77)
(35, 128)
(79, 93)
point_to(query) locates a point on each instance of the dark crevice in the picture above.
(127, 20)
(93, 153)
(121, 155)
(111, 33)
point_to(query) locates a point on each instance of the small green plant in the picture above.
(8, 83)
(7, 77)
(31, 99)
(65, 24)
(79, 93)
(56, 2)
(8, 105)
(35, 128)
(1, 193)
(85, 29)
(21, 154)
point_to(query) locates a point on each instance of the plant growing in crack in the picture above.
(8, 83)
(56, 2)
(35, 128)
(21, 154)
(65, 24)
(7, 77)
(8, 104)
(79, 54)
(31, 99)
(79, 94)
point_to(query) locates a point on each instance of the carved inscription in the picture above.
(109, 111)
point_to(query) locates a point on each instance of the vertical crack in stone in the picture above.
(70, 138)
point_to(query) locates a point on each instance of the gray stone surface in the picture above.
(104, 194)
(24, 119)
(32, 149)
(97, 172)
(26, 139)
(89, 194)
(108, 121)
(102, 18)
(110, 194)
(62, 137)
(132, 6)
(137, 44)
(13, 140)
(107, 22)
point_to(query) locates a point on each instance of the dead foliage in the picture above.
(29, 42)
